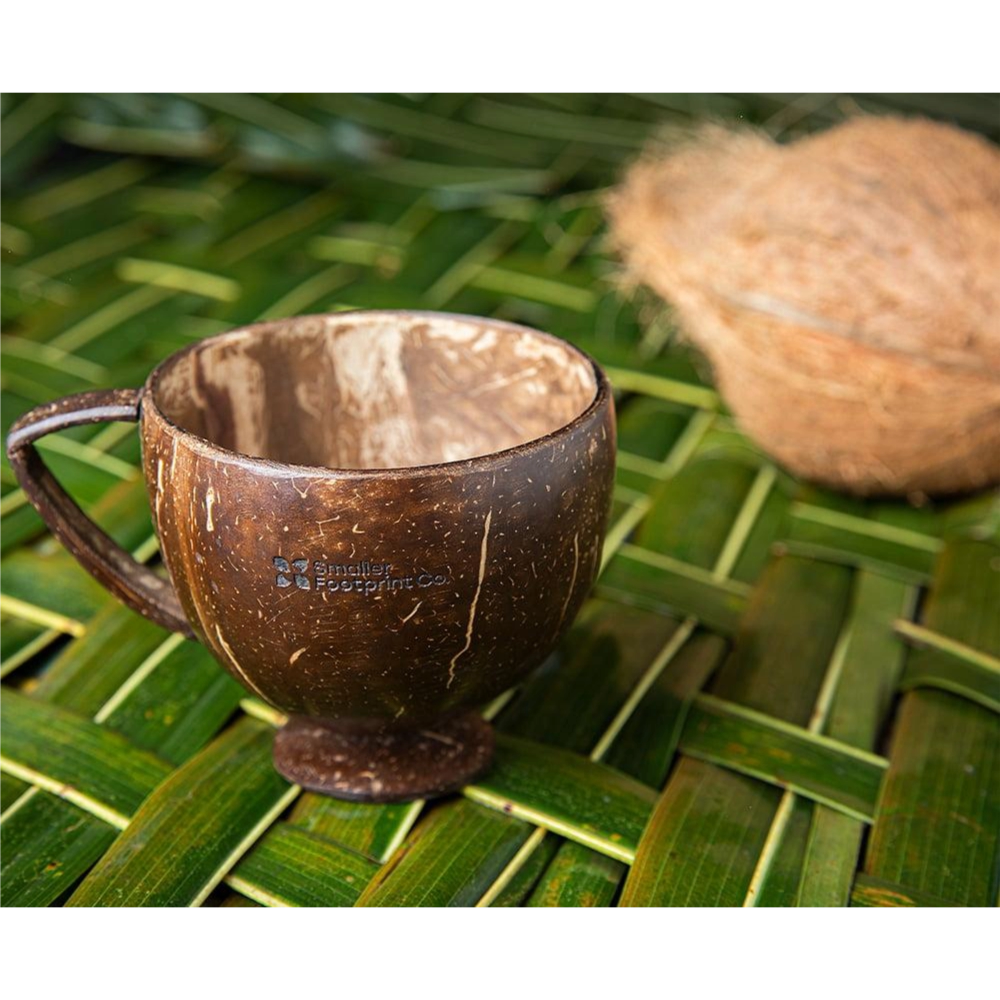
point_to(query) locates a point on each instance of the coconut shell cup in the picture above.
(376, 521)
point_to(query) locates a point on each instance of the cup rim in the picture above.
(478, 462)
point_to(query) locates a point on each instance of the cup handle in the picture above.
(139, 587)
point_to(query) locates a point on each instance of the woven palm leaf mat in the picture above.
(775, 696)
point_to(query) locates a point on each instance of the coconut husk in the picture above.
(845, 287)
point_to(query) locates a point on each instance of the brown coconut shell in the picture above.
(845, 287)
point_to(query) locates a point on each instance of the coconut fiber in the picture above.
(845, 287)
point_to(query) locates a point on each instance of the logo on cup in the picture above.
(296, 569)
(359, 577)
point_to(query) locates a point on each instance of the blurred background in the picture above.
(236, 207)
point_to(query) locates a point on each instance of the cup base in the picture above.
(384, 767)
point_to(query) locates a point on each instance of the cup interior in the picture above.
(375, 390)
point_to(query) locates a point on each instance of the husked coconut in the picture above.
(845, 288)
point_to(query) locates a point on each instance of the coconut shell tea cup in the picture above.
(376, 521)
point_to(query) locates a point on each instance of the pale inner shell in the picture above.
(375, 391)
